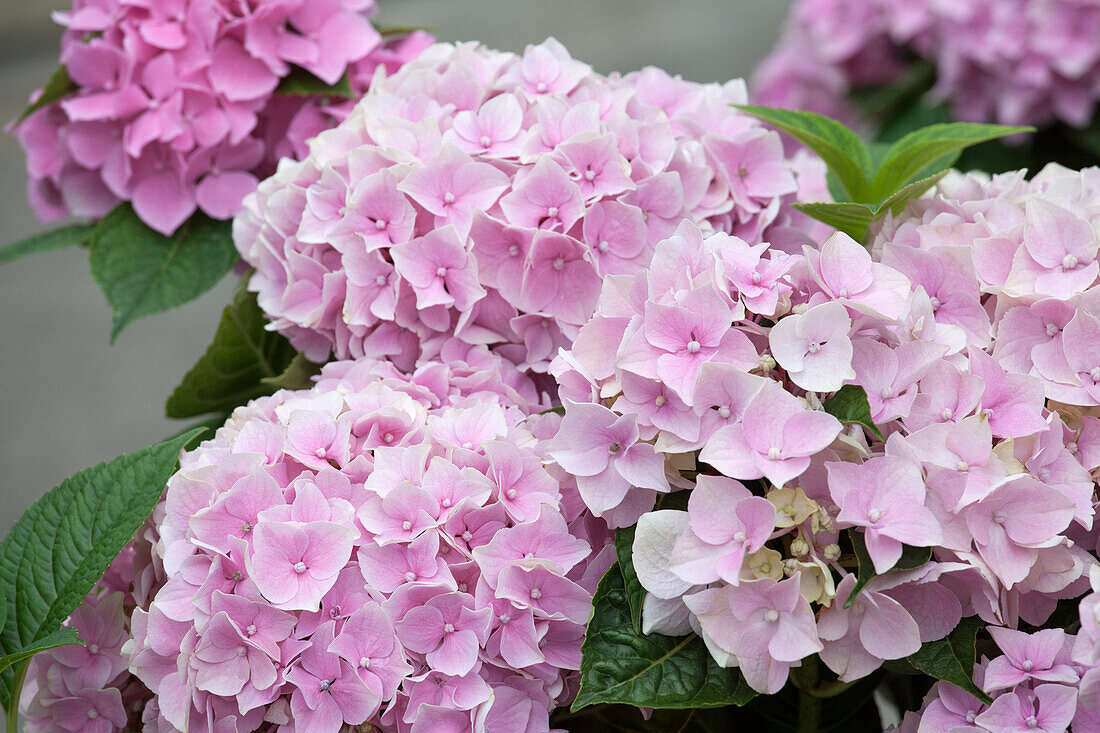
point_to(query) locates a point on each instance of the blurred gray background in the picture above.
(68, 399)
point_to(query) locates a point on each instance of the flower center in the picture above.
(93, 648)
(441, 272)
(559, 263)
(694, 346)
(536, 594)
(387, 438)
(406, 525)
(320, 453)
(552, 212)
(379, 224)
(604, 245)
(771, 615)
(299, 567)
(813, 347)
(590, 175)
(325, 684)
(999, 517)
(660, 401)
(448, 198)
(93, 714)
(773, 454)
(1069, 262)
(410, 576)
(874, 515)
(250, 630)
(541, 87)
(513, 250)
(448, 628)
(246, 527)
(1027, 666)
(486, 141)
(510, 493)
(614, 448)
(364, 662)
(724, 412)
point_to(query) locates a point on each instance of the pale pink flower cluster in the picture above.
(1046, 681)
(174, 107)
(478, 197)
(1015, 62)
(381, 548)
(973, 328)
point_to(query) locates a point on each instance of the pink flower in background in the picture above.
(176, 108)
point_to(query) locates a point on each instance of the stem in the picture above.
(12, 713)
(809, 705)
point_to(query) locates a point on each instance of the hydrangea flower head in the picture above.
(479, 198)
(978, 383)
(306, 570)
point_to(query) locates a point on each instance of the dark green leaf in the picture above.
(61, 637)
(559, 410)
(911, 559)
(57, 551)
(916, 152)
(920, 113)
(952, 659)
(144, 272)
(58, 86)
(232, 370)
(852, 219)
(849, 405)
(620, 666)
(635, 593)
(69, 236)
(301, 83)
(297, 375)
(841, 149)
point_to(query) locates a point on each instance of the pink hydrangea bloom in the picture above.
(174, 107)
(398, 579)
(982, 451)
(480, 198)
(1016, 62)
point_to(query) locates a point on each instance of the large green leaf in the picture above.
(57, 551)
(61, 637)
(58, 86)
(232, 370)
(951, 659)
(915, 154)
(905, 194)
(143, 272)
(849, 405)
(841, 149)
(635, 593)
(911, 559)
(852, 219)
(69, 236)
(619, 665)
(301, 83)
(298, 374)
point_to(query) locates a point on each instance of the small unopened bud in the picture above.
(831, 552)
(800, 547)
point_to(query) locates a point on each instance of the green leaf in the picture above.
(886, 100)
(61, 637)
(620, 666)
(403, 30)
(911, 559)
(849, 405)
(635, 593)
(840, 148)
(301, 83)
(69, 236)
(297, 375)
(58, 86)
(57, 551)
(232, 370)
(907, 193)
(951, 659)
(852, 219)
(144, 272)
(931, 146)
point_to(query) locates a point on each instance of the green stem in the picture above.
(12, 713)
(809, 705)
